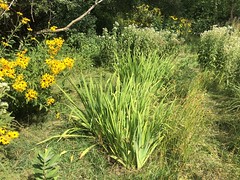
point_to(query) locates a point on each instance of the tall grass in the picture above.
(145, 67)
(189, 148)
(124, 112)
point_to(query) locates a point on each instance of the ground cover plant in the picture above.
(136, 102)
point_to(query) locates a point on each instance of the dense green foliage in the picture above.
(219, 51)
(43, 14)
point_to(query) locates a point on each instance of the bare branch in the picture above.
(32, 11)
(73, 21)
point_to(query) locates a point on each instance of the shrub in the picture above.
(179, 25)
(144, 40)
(31, 78)
(219, 52)
(86, 45)
(148, 39)
(143, 16)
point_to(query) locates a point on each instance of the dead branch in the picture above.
(72, 22)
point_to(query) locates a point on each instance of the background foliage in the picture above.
(44, 13)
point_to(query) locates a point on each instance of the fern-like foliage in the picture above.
(46, 165)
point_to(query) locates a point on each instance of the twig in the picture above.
(32, 11)
(72, 22)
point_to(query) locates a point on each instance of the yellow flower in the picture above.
(54, 45)
(53, 28)
(58, 115)
(20, 77)
(20, 86)
(9, 73)
(22, 60)
(56, 66)
(68, 62)
(25, 20)
(5, 44)
(47, 80)
(31, 94)
(29, 29)
(19, 13)
(50, 101)
(34, 39)
(13, 134)
(4, 140)
(4, 6)
(174, 18)
(2, 131)
(7, 68)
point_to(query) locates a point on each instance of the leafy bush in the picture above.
(148, 39)
(219, 52)
(179, 25)
(86, 45)
(31, 78)
(144, 40)
(143, 16)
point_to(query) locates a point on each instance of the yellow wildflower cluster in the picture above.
(54, 45)
(57, 66)
(145, 16)
(22, 60)
(69, 62)
(47, 80)
(5, 44)
(31, 94)
(25, 20)
(20, 85)
(7, 68)
(4, 5)
(181, 25)
(6, 136)
(50, 101)
(31, 84)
